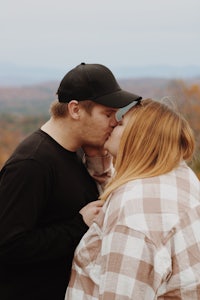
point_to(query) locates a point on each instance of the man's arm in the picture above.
(22, 202)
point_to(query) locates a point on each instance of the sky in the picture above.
(63, 33)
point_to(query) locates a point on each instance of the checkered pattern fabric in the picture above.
(144, 244)
(100, 168)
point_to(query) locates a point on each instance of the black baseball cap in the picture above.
(94, 82)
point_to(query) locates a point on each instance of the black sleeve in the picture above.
(23, 191)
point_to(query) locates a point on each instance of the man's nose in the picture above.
(113, 121)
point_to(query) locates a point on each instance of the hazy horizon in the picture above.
(60, 34)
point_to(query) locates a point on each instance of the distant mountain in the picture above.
(36, 99)
(158, 71)
(13, 75)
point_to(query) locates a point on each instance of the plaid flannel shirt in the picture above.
(100, 168)
(145, 243)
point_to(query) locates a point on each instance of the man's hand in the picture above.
(90, 211)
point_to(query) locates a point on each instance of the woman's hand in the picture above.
(90, 211)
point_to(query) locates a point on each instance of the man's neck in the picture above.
(62, 133)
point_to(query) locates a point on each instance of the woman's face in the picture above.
(112, 143)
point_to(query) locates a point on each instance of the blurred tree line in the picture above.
(13, 129)
(15, 126)
(187, 99)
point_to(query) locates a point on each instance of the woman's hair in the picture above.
(154, 142)
(60, 110)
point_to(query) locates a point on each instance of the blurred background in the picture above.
(152, 47)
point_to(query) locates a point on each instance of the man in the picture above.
(46, 193)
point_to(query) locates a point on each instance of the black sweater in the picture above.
(42, 188)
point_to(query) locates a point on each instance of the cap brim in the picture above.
(117, 99)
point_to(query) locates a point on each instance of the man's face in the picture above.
(97, 126)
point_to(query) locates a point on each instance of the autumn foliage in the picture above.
(24, 110)
(188, 102)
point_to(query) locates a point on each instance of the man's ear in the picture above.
(74, 109)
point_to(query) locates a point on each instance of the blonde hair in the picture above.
(154, 142)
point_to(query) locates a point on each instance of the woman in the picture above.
(145, 243)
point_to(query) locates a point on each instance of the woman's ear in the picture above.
(74, 109)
